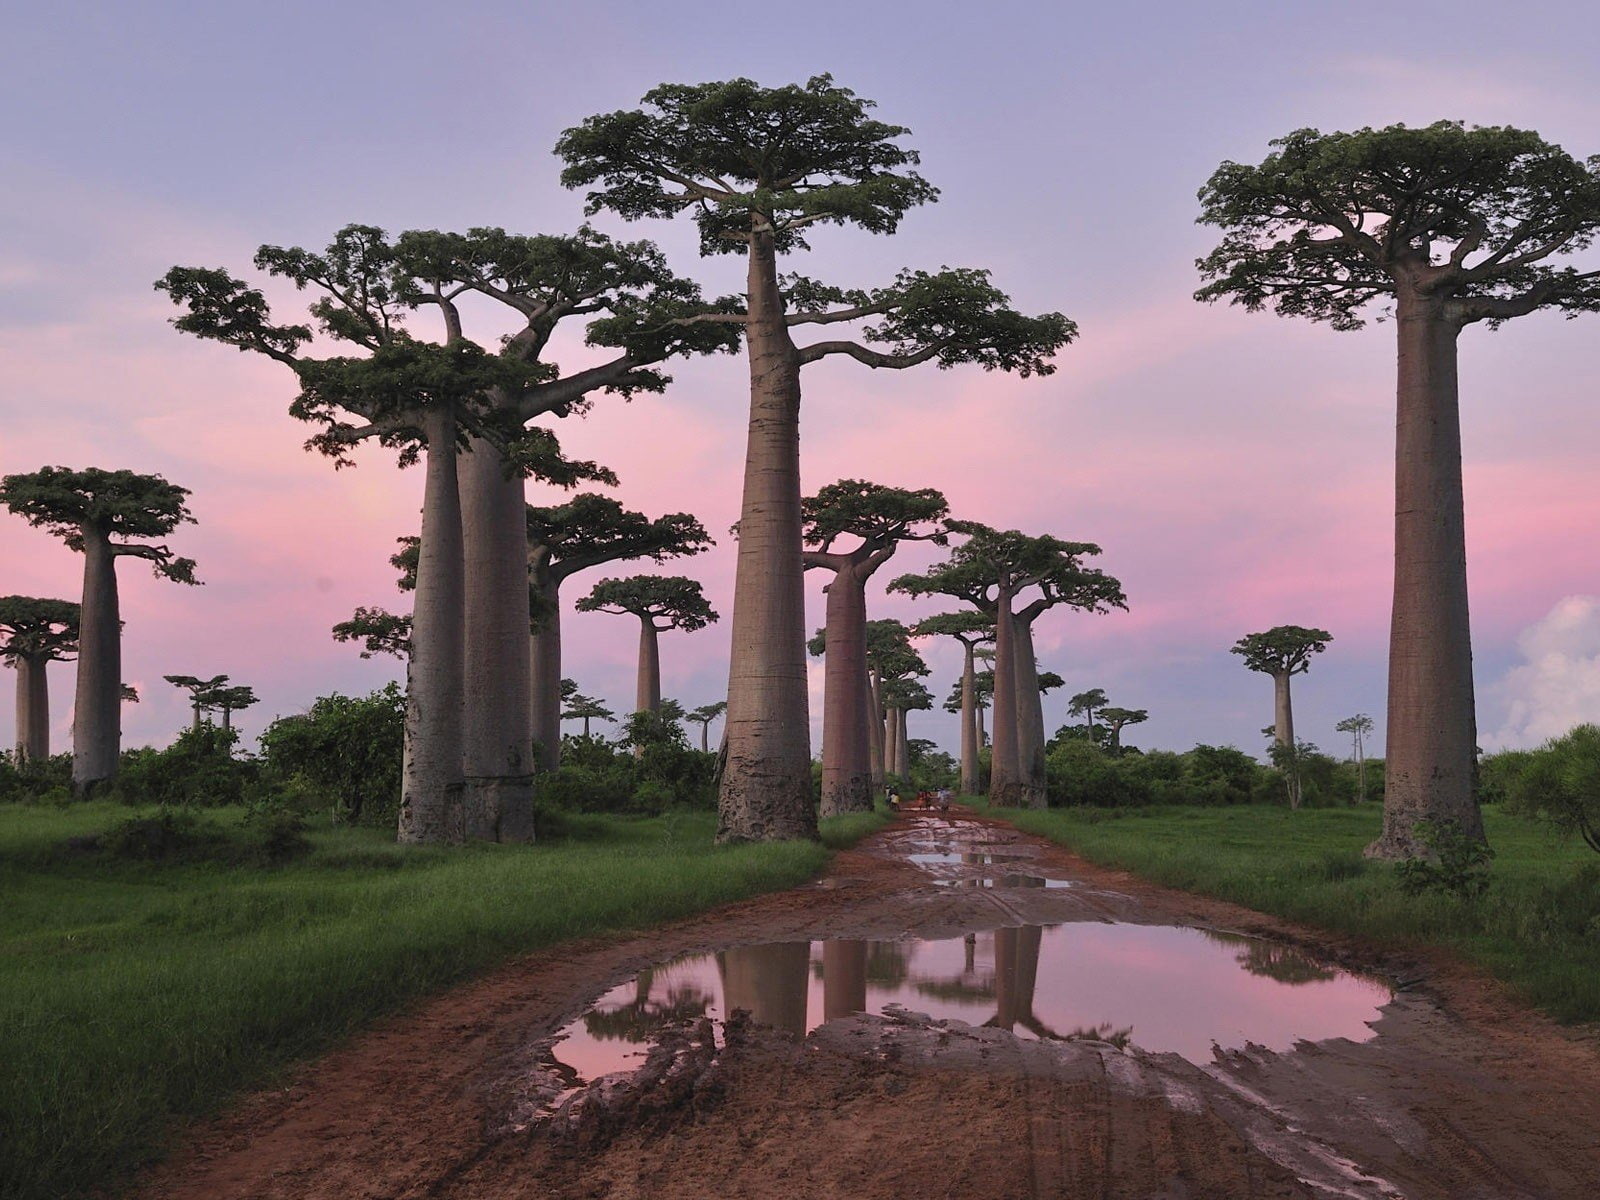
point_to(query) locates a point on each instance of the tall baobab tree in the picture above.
(661, 602)
(877, 519)
(1086, 704)
(703, 716)
(971, 629)
(901, 696)
(1451, 226)
(1358, 727)
(994, 570)
(1283, 652)
(35, 632)
(757, 168)
(103, 515)
(197, 689)
(586, 532)
(585, 709)
(229, 700)
(1117, 719)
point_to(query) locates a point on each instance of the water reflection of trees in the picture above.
(769, 982)
(643, 1018)
(1273, 960)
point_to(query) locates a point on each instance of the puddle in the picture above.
(939, 858)
(1160, 988)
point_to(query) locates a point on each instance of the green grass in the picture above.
(1538, 928)
(132, 994)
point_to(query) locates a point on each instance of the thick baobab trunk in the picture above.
(902, 746)
(647, 691)
(97, 704)
(33, 709)
(769, 982)
(1283, 733)
(545, 660)
(766, 785)
(969, 724)
(430, 797)
(1432, 724)
(844, 978)
(846, 770)
(875, 739)
(1007, 788)
(983, 734)
(497, 718)
(1030, 716)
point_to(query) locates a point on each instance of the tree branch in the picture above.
(873, 358)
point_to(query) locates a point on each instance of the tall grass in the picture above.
(1538, 928)
(133, 994)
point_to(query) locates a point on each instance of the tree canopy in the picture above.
(116, 505)
(591, 529)
(881, 517)
(37, 629)
(1283, 649)
(666, 601)
(1474, 217)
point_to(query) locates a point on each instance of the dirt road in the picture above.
(956, 1010)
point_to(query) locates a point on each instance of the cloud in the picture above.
(1559, 684)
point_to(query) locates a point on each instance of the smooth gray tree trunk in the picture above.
(765, 794)
(1007, 788)
(875, 740)
(902, 748)
(33, 709)
(969, 723)
(1431, 755)
(846, 765)
(1283, 732)
(1030, 717)
(647, 690)
(97, 704)
(497, 715)
(545, 660)
(431, 792)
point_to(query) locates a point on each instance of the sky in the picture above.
(1236, 468)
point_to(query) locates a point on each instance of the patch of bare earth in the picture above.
(1461, 1094)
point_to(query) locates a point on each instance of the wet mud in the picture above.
(958, 1009)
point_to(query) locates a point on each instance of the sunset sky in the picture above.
(1236, 468)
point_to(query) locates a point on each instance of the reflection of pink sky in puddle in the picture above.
(1176, 989)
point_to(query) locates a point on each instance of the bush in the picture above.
(1080, 773)
(169, 834)
(46, 779)
(1459, 864)
(198, 768)
(1559, 783)
(343, 753)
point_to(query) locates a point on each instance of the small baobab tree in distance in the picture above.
(877, 519)
(586, 532)
(1283, 652)
(759, 169)
(1086, 704)
(229, 700)
(197, 689)
(703, 716)
(103, 515)
(971, 629)
(1358, 727)
(1451, 226)
(661, 602)
(1117, 719)
(34, 633)
(585, 708)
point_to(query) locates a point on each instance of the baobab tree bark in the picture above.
(545, 659)
(1431, 754)
(497, 717)
(875, 738)
(766, 783)
(1029, 710)
(431, 791)
(846, 767)
(970, 735)
(97, 702)
(1283, 731)
(1006, 785)
(844, 978)
(33, 709)
(902, 749)
(647, 693)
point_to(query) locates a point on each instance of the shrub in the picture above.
(45, 779)
(1459, 863)
(169, 834)
(344, 752)
(1558, 783)
(198, 768)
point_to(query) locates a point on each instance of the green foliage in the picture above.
(47, 779)
(197, 768)
(650, 768)
(881, 517)
(37, 629)
(1282, 650)
(115, 505)
(1559, 783)
(1084, 773)
(1327, 224)
(345, 751)
(666, 601)
(1459, 863)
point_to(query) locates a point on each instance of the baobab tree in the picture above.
(586, 532)
(1450, 226)
(703, 716)
(379, 631)
(35, 632)
(229, 700)
(1086, 704)
(971, 629)
(982, 694)
(877, 519)
(1358, 727)
(901, 696)
(992, 570)
(1283, 652)
(103, 515)
(585, 709)
(661, 602)
(757, 168)
(1117, 719)
(197, 689)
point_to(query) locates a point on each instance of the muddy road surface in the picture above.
(957, 1010)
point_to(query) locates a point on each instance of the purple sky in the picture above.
(1236, 468)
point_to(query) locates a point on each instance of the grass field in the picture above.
(1537, 928)
(134, 993)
